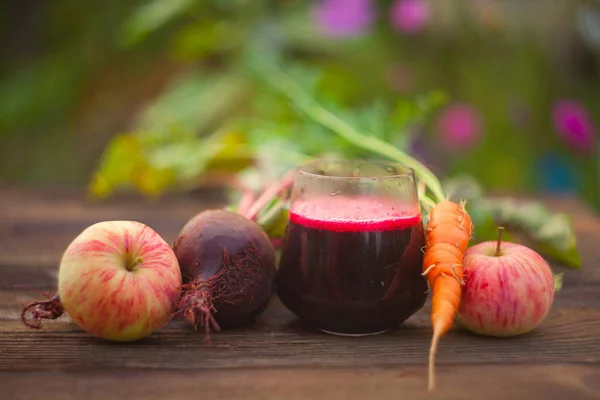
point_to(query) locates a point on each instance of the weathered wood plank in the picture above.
(279, 339)
(35, 229)
(549, 382)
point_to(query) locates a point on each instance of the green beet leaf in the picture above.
(532, 224)
(274, 219)
(527, 222)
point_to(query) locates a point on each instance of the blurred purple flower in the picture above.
(573, 123)
(409, 16)
(459, 126)
(343, 18)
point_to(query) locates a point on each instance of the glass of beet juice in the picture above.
(351, 260)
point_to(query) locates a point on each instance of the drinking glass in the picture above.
(352, 254)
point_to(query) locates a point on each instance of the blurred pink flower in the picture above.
(409, 16)
(573, 123)
(343, 18)
(459, 126)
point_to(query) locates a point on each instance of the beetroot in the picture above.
(228, 268)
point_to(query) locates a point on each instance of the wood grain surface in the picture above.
(490, 382)
(279, 357)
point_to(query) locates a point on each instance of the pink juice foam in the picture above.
(354, 214)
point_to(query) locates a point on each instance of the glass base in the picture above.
(353, 334)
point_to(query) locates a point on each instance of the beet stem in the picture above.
(245, 202)
(48, 309)
(270, 192)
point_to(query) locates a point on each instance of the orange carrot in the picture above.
(447, 237)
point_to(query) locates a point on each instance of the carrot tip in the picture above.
(432, 353)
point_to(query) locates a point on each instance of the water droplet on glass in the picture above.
(336, 193)
(382, 284)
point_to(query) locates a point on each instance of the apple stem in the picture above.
(134, 263)
(500, 232)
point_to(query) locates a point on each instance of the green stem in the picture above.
(311, 107)
(427, 201)
(268, 217)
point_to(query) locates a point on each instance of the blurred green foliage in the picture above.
(68, 115)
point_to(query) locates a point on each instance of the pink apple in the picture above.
(505, 294)
(119, 280)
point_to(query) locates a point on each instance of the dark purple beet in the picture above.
(228, 268)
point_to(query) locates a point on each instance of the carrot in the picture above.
(447, 236)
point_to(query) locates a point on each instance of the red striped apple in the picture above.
(509, 289)
(119, 280)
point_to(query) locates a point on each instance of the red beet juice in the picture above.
(352, 265)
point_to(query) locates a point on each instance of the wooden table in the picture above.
(279, 358)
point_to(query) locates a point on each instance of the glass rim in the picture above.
(408, 172)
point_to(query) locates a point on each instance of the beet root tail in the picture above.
(202, 315)
(48, 309)
(197, 309)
